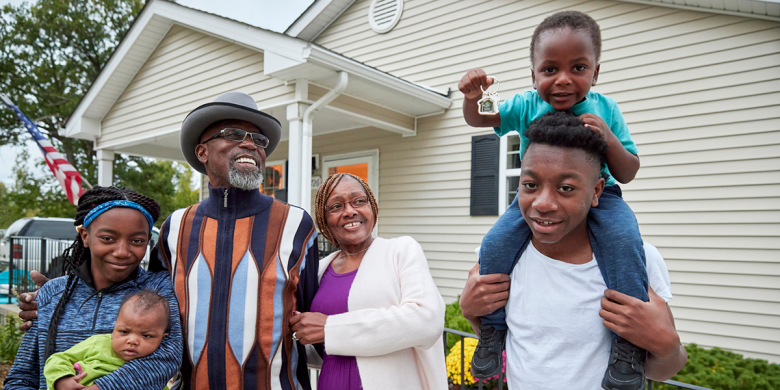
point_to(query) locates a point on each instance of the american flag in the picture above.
(69, 178)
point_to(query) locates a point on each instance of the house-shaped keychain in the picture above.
(488, 105)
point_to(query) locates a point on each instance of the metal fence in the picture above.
(29, 254)
(324, 246)
(463, 366)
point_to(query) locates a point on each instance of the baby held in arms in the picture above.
(140, 327)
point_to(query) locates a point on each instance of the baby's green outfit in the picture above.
(95, 356)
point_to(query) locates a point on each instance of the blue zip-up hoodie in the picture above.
(90, 312)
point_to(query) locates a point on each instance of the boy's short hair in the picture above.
(147, 300)
(564, 129)
(575, 20)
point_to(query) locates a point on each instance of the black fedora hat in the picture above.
(229, 105)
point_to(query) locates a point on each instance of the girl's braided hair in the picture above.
(325, 191)
(76, 254)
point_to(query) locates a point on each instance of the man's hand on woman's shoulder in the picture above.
(28, 301)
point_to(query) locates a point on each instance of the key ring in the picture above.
(496, 82)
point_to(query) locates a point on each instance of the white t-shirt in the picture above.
(556, 338)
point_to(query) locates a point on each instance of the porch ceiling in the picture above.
(166, 146)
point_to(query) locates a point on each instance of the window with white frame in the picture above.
(509, 170)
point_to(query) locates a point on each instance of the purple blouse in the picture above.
(338, 372)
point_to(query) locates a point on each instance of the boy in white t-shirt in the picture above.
(556, 338)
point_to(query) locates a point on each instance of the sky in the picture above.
(274, 15)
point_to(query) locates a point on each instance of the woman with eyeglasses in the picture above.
(377, 310)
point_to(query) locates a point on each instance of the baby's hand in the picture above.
(70, 382)
(473, 81)
(595, 123)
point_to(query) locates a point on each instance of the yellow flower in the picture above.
(453, 362)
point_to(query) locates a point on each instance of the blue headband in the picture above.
(94, 213)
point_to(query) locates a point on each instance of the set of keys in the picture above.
(488, 105)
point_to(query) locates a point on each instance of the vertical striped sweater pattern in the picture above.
(241, 263)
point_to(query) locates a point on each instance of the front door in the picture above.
(364, 165)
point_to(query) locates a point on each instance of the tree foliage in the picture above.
(52, 51)
(167, 182)
(30, 196)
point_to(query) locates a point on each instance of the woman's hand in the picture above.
(70, 382)
(309, 328)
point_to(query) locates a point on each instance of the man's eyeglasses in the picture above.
(338, 207)
(239, 135)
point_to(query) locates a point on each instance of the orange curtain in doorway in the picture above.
(359, 170)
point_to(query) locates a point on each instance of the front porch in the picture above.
(175, 58)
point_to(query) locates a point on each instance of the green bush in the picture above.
(723, 370)
(453, 319)
(10, 337)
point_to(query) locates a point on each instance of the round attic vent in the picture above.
(385, 14)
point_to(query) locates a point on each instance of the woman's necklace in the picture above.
(343, 252)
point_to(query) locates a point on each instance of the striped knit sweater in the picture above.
(90, 312)
(241, 263)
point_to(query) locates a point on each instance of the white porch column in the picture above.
(295, 119)
(297, 170)
(105, 167)
(298, 190)
(306, 140)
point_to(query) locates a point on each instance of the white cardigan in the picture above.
(395, 321)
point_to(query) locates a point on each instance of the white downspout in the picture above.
(306, 141)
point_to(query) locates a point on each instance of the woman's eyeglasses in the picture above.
(335, 208)
(239, 135)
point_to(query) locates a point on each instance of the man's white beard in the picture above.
(245, 180)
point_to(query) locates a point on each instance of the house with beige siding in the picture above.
(370, 87)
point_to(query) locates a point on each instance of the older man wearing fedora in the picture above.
(241, 262)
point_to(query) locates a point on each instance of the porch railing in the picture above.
(27, 254)
(464, 366)
(324, 246)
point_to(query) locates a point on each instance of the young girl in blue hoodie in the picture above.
(102, 267)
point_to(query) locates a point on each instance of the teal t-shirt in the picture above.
(520, 110)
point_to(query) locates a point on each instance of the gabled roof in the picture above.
(316, 18)
(286, 58)
(760, 9)
(322, 13)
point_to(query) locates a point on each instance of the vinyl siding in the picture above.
(701, 95)
(187, 69)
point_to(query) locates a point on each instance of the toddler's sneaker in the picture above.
(487, 360)
(626, 370)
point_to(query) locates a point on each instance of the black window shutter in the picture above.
(484, 174)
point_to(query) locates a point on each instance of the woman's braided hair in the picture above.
(325, 191)
(76, 254)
